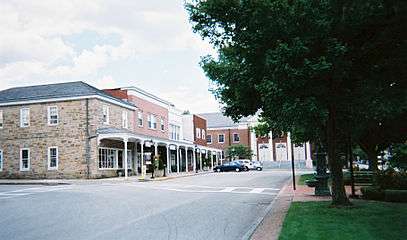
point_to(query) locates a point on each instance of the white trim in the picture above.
(140, 114)
(240, 127)
(107, 108)
(2, 160)
(223, 138)
(125, 119)
(142, 94)
(238, 135)
(208, 138)
(21, 159)
(49, 115)
(68, 99)
(49, 158)
(21, 117)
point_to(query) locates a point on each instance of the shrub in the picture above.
(391, 179)
(372, 193)
(395, 195)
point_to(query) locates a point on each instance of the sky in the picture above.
(106, 43)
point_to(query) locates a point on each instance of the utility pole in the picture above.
(292, 166)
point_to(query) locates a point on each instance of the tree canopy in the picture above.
(322, 70)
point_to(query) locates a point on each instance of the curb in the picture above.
(249, 234)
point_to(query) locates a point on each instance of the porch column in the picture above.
(289, 147)
(168, 159)
(143, 174)
(177, 159)
(308, 161)
(200, 159)
(271, 147)
(186, 159)
(125, 158)
(211, 160)
(135, 160)
(194, 159)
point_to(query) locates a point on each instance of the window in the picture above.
(209, 139)
(203, 134)
(24, 117)
(221, 138)
(162, 124)
(24, 159)
(174, 132)
(53, 115)
(53, 158)
(106, 117)
(1, 160)
(1, 119)
(140, 118)
(125, 121)
(236, 137)
(152, 122)
(107, 158)
(198, 133)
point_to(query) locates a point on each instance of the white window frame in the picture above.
(140, 117)
(203, 134)
(1, 119)
(28, 160)
(223, 138)
(21, 117)
(49, 158)
(49, 116)
(198, 133)
(1, 160)
(152, 121)
(125, 119)
(106, 111)
(209, 137)
(238, 135)
(162, 126)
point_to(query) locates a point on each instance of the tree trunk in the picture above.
(339, 197)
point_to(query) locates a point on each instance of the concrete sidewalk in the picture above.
(52, 182)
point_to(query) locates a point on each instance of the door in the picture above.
(264, 152)
(281, 152)
(299, 152)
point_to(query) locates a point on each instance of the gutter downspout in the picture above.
(87, 144)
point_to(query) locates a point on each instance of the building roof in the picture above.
(218, 120)
(54, 91)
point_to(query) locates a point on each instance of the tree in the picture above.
(399, 156)
(239, 151)
(321, 70)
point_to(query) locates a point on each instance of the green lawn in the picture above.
(305, 177)
(366, 220)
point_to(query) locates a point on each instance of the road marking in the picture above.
(30, 191)
(257, 190)
(228, 189)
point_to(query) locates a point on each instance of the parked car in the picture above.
(256, 165)
(247, 163)
(230, 166)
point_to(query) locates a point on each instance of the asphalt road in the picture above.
(212, 206)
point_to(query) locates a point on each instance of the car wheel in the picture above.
(218, 170)
(259, 169)
(237, 170)
(246, 169)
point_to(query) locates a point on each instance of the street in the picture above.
(210, 206)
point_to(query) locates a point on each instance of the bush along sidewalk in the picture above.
(390, 186)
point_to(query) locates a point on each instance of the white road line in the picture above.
(257, 190)
(228, 189)
(30, 191)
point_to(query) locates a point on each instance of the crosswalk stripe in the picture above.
(257, 190)
(228, 189)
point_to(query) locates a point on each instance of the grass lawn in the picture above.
(305, 177)
(365, 220)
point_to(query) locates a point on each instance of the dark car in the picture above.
(230, 166)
